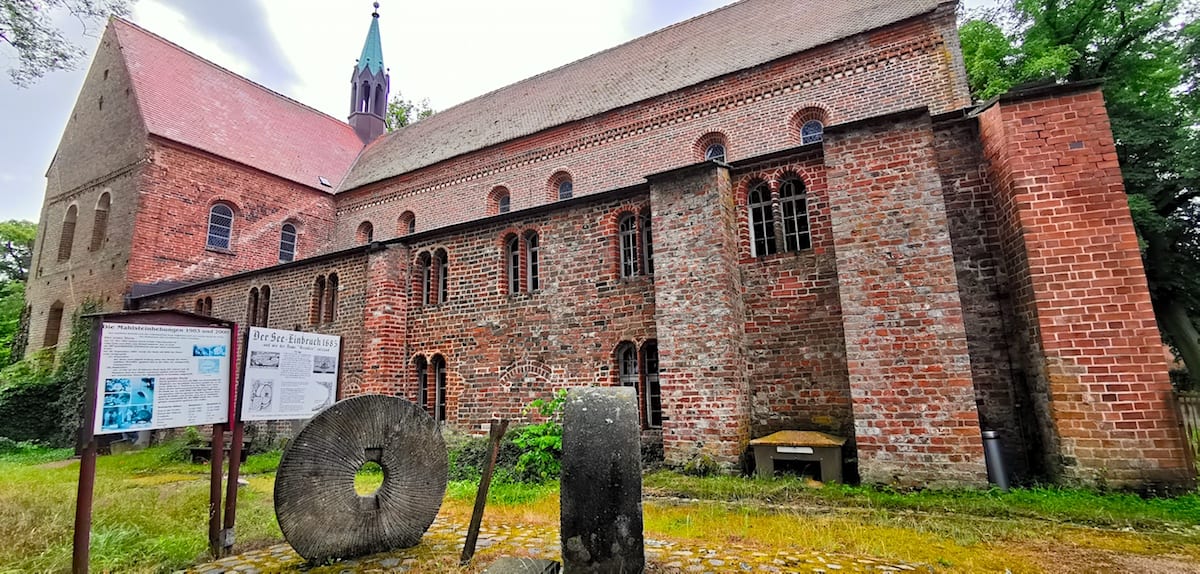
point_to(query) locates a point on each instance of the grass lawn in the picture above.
(150, 516)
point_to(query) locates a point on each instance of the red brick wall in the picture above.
(796, 353)
(907, 355)
(1002, 398)
(1083, 308)
(700, 315)
(179, 187)
(754, 109)
(291, 304)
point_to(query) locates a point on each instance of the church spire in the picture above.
(369, 86)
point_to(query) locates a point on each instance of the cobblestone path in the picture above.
(439, 551)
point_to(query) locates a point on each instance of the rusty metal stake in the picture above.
(498, 427)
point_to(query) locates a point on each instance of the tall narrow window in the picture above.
(566, 189)
(653, 391)
(443, 262)
(331, 298)
(647, 246)
(793, 204)
(252, 308)
(407, 223)
(317, 313)
(422, 382)
(439, 377)
(53, 324)
(220, 226)
(504, 203)
(426, 271)
(100, 222)
(715, 152)
(512, 259)
(204, 306)
(287, 243)
(627, 234)
(811, 132)
(66, 240)
(627, 365)
(762, 220)
(264, 305)
(532, 279)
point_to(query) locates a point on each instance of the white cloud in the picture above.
(174, 26)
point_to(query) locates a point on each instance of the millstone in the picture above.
(320, 513)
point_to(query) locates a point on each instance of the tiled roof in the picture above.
(723, 41)
(187, 99)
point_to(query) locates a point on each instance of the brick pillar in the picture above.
(700, 317)
(385, 318)
(1085, 321)
(906, 346)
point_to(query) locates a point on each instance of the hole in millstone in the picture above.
(368, 479)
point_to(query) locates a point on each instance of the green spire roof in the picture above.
(372, 54)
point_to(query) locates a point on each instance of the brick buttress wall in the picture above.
(700, 315)
(385, 321)
(906, 345)
(1087, 326)
(983, 291)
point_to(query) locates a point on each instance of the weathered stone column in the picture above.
(385, 317)
(601, 493)
(1084, 317)
(906, 347)
(700, 315)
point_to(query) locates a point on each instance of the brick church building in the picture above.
(782, 214)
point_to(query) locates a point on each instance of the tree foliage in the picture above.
(27, 27)
(16, 249)
(402, 112)
(1147, 52)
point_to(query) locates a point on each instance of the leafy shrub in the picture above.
(28, 393)
(541, 443)
(71, 377)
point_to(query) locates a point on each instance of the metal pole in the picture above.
(495, 433)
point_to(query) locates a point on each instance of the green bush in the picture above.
(28, 393)
(528, 454)
(72, 375)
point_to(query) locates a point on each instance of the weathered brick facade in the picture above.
(930, 287)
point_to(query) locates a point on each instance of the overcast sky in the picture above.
(445, 50)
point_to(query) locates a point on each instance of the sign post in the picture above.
(151, 370)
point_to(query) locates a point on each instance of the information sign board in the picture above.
(161, 376)
(289, 374)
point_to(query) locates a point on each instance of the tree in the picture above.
(402, 112)
(27, 27)
(1148, 54)
(16, 249)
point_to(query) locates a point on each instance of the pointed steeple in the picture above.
(369, 86)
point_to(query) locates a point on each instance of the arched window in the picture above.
(793, 204)
(100, 222)
(422, 368)
(566, 189)
(53, 325)
(503, 203)
(512, 264)
(204, 306)
(653, 392)
(264, 305)
(317, 312)
(66, 240)
(425, 268)
(407, 223)
(252, 308)
(762, 220)
(627, 239)
(439, 378)
(366, 232)
(647, 246)
(331, 298)
(627, 365)
(379, 102)
(715, 152)
(443, 275)
(220, 226)
(811, 132)
(532, 271)
(287, 243)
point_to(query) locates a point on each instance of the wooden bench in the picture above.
(811, 446)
